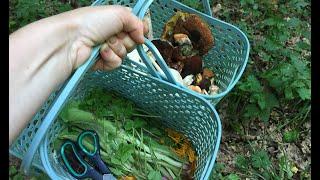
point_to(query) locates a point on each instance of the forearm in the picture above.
(40, 59)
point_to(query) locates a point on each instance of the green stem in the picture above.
(170, 172)
(164, 172)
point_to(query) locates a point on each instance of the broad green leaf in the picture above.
(290, 136)
(18, 177)
(285, 167)
(251, 111)
(267, 175)
(125, 151)
(302, 4)
(303, 45)
(265, 115)
(288, 93)
(241, 162)
(261, 101)
(270, 21)
(298, 84)
(251, 84)
(233, 177)
(114, 160)
(294, 22)
(245, 2)
(12, 170)
(129, 124)
(260, 159)
(71, 112)
(274, 82)
(304, 93)
(154, 175)
(271, 100)
(264, 56)
(116, 171)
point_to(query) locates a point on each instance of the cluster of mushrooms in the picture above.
(186, 38)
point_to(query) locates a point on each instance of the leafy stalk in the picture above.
(124, 146)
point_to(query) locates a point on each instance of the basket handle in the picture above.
(56, 108)
(207, 8)
(164, 68)
(64, 95)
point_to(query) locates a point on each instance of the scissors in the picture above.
(83, 160)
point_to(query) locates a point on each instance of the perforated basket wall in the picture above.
(180, 110)
(228, 58)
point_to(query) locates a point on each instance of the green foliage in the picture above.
(23, 12)
(12, 170)
(83, 3)
(232, 177)
(216, 172)
(278, 74)
(15, 174)
(194, 4)
(260, 159)
(124, 137)
(242, 162)
(293, 80)
(257, 166)
(284, 168)
(154, 175)
(291, 136)
(260, 101)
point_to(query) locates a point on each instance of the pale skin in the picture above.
(43, 54)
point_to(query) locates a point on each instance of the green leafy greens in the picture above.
(129, 144)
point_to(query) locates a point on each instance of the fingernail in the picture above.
(113, 40)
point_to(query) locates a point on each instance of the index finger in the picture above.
(132, 25)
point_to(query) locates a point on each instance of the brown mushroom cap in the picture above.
(192, 65)
(165, 49)
(198, 32)
(194, 27)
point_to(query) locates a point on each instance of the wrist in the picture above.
(78, 45)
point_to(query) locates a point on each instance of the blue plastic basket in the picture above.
(229, 56)
(180, 108)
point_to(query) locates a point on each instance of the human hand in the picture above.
(43, 54)
(113, 26)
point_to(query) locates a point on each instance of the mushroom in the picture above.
(194, 27)
(165, 48)
(192, 65)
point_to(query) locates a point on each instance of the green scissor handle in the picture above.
(86, 170)
(93, 155)
(92, 135)
(81, 150)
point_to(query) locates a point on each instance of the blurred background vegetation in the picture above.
(266, 117)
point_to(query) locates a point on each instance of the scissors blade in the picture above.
(108, 177)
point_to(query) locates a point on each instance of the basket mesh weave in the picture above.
(228, 58)
(180, 110)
